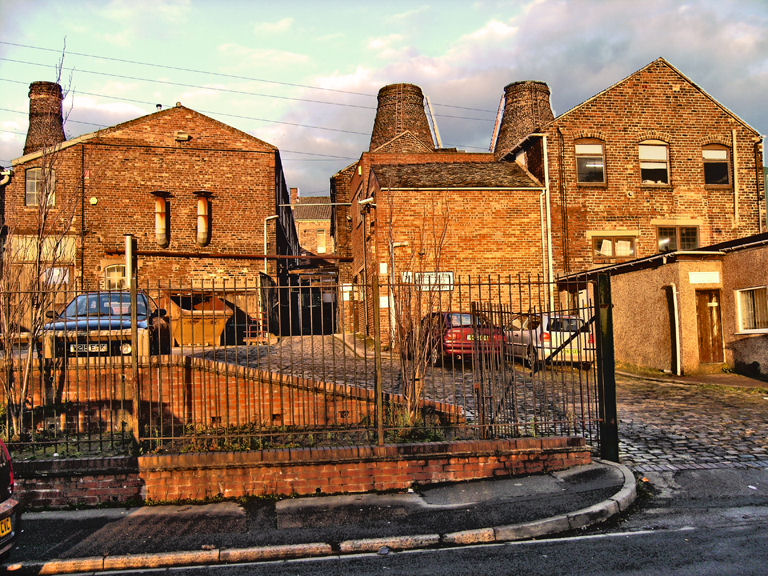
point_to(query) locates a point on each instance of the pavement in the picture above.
(481, 511)
(667, 423)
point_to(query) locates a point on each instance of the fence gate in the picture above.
(548, 378)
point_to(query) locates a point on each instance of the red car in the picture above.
(459, 336)
(9, 503)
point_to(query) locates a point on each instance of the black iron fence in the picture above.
(238, 366)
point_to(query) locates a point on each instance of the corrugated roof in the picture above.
(455, 175)
(312, 208)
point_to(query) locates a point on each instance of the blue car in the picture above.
(99, 324)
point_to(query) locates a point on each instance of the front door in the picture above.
(710, 326)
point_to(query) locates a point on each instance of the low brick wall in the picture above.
(289, 472)
(78, 482)
(353, 469)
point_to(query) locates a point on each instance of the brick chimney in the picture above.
(46, 125)
(294, 195)
(526, 110)
(401, 109)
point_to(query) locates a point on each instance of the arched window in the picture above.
(654, 162)
(203, 236)
(40, 187)
(717, 165)
(590, 161)
(114, 277)
(162, 219)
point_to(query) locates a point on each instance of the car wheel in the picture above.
(532, 358)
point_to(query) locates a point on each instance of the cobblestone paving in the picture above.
(664, 426)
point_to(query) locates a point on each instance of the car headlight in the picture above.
(125, 348)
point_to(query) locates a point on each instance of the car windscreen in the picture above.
(566, 324)
(460, 320)
(104, 304)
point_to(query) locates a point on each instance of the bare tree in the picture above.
(415, 294)
(36, 260)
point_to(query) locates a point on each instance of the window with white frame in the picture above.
(717, 165)
(613, 248)
(40, 183)
(753, 309)
(654, 162)
(590, 161)
(114, 277)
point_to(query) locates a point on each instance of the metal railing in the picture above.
(239, 366)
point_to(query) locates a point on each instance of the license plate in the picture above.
(6, 526)
(90, 347)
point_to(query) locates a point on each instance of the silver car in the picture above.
(540, 338)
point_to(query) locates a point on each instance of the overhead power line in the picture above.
(185, 85)
(221, 74)
(212, 112)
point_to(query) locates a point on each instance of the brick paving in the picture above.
(670, 426)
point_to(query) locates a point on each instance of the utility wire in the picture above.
(220, 74)
(196, 86)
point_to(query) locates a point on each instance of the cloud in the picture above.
(407, 15)
(277, 27)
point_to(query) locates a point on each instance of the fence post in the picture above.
(609, 429)
(130, 270)
(377, 360)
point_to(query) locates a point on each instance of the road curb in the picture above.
(576, 520)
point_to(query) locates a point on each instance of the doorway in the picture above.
(710, 327)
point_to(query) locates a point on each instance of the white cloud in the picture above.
(408, 14)
(273, 27)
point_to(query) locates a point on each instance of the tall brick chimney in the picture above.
(401, 109)
(526, 110)
(294, 195)
(46, 125)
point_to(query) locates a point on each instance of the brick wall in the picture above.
(179, 391)
(287, 472)
(105, 186)
(655, 103)
(352, 469)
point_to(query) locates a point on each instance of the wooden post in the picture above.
(609, 429)
(132, 274)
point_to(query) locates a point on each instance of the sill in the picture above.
(724, 187)
(609, 261)
(656, 186)
(592, 184)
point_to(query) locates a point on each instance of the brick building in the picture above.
(651, 164)
(420, 212)
(312, 215)
(199, 196)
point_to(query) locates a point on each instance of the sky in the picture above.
(303, 75)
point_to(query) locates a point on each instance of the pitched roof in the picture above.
(439, 175)
(312, 208)
(679, 73)
(147, 118)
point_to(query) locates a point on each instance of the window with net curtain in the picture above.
(753, 309)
